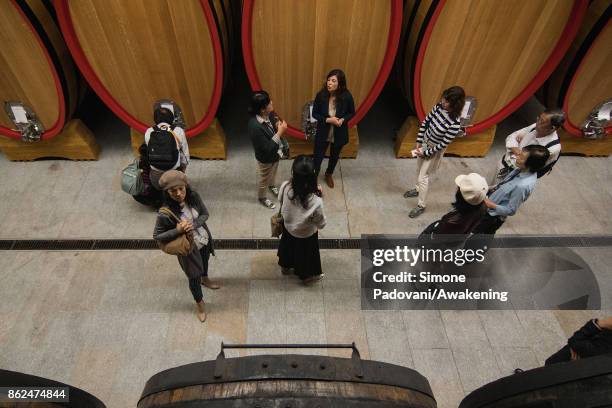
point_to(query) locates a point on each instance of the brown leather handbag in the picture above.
(182, 245)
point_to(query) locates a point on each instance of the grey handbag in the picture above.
(131, 179)
(276, 221)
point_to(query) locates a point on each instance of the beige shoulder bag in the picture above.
(182, 245)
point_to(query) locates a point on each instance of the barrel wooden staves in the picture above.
(73, 397)
(288, 381)
(135, 53)
(290, 45)
(582, 81)
(583, 383)
(38, 73)
(500, 52)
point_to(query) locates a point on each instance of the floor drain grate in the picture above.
(56, 244)
(502, 241)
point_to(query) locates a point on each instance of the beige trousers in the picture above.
(426, 167)
(266, 174)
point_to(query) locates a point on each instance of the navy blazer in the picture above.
(345, 109)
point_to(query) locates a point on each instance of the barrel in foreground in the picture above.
(583, 383)
(288, 381)
(21, 390)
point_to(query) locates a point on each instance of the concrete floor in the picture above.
(64, 199)
(107, 321)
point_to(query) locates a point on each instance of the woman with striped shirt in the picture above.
(437, 131)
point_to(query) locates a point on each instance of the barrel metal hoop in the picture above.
(287, 367)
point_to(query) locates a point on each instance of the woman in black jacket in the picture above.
(187, 206)
(265, 130)
(333, 108)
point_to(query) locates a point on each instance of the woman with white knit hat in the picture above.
(468, 208)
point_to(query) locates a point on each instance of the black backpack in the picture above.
(162, 148)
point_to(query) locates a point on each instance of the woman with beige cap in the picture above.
(468, 208)
(187, 206)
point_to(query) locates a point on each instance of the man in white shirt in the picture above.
(163, 119)
(542, 133)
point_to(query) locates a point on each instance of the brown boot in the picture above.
(201, 312)
(210, 284)
(329, 180)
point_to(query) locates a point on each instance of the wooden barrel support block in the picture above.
(571, 144)
(74, 142)
(306, 147)
(477, 145)
(209, 145)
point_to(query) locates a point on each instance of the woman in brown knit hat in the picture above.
(187, 206)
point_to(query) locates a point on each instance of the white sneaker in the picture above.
(266, 202)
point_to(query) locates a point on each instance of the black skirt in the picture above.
(302, 254)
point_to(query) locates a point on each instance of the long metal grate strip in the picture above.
(507, 241)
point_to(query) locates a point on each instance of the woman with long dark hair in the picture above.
(437, 131)
(187, 206)
(265, 130)
(333, 108)
(303, 216)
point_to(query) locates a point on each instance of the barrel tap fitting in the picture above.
(467, 114)
(25, 121)
(594, 127)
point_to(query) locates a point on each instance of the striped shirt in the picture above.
(437, 130)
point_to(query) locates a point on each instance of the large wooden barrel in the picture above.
(584, 383)
(134, 53)
(288, 381)
(76, 398)
(499, 51)
(290, 45)
(36, 66)
(582, 81)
